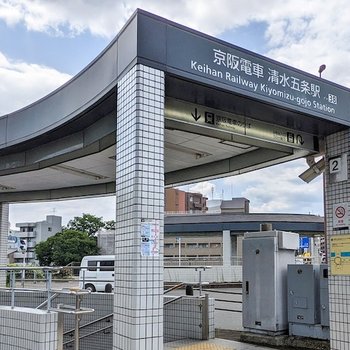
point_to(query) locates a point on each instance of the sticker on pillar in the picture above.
(150, 238)
(340, 216)
(340, 254)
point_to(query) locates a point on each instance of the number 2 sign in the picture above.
(335, 165)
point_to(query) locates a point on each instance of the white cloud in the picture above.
(279, 189)
(206, 188)
(23, 83)
(276, 189)
(321, 36)
(301, 33)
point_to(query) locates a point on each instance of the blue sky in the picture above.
(44, 43)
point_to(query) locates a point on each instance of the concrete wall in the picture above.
(217, 274)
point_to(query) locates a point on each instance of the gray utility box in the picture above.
(266, 255)
(303, 294)
(308, 311)
(324, 295)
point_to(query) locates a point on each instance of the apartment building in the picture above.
(31, 233)
(178, 201)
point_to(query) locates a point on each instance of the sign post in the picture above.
(178, 239)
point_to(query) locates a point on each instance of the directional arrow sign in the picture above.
(237, 124)
(195, 116)
(300, 140)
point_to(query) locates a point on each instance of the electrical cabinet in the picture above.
(324, 295)
(303, 294)
(308, 311)
(266, 255)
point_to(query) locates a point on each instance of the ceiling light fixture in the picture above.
(6, 188)
(79, 172)
(191, 151)
(235, 144)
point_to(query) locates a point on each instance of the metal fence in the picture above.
(85, 319)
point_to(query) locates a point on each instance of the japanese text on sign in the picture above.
(150, 238)
(340, 254)
(270, 81)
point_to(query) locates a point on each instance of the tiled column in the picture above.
(4, 230)
(339, 286)
(138, 303)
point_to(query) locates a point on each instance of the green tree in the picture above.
(87, 223)
(110, 225)
(65, 247)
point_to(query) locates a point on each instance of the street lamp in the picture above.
(321, 69)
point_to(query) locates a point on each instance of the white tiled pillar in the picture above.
(339, 286)
(4, 230)
(138, 302)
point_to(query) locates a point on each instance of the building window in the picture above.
(203, 245)
(215, 245)
(169, 245)
(191, 245)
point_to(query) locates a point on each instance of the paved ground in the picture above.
(214, 344)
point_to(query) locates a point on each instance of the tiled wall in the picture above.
(138, 304)
(4, 229)
(339, 286)
(27, 329)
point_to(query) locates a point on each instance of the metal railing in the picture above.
(189, 261)
(205, 260)
(51, 294)
(49, 298)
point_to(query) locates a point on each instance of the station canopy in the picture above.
(227, 111)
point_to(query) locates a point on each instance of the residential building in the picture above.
(178, 201)
(106, 241)
(34, 232)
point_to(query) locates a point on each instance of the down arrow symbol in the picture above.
(195, 116)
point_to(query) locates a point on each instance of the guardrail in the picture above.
(78, 333)
(52, 293)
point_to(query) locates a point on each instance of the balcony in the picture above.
(22, 255)
(27, 234)
(30, 244)
(19, 255)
